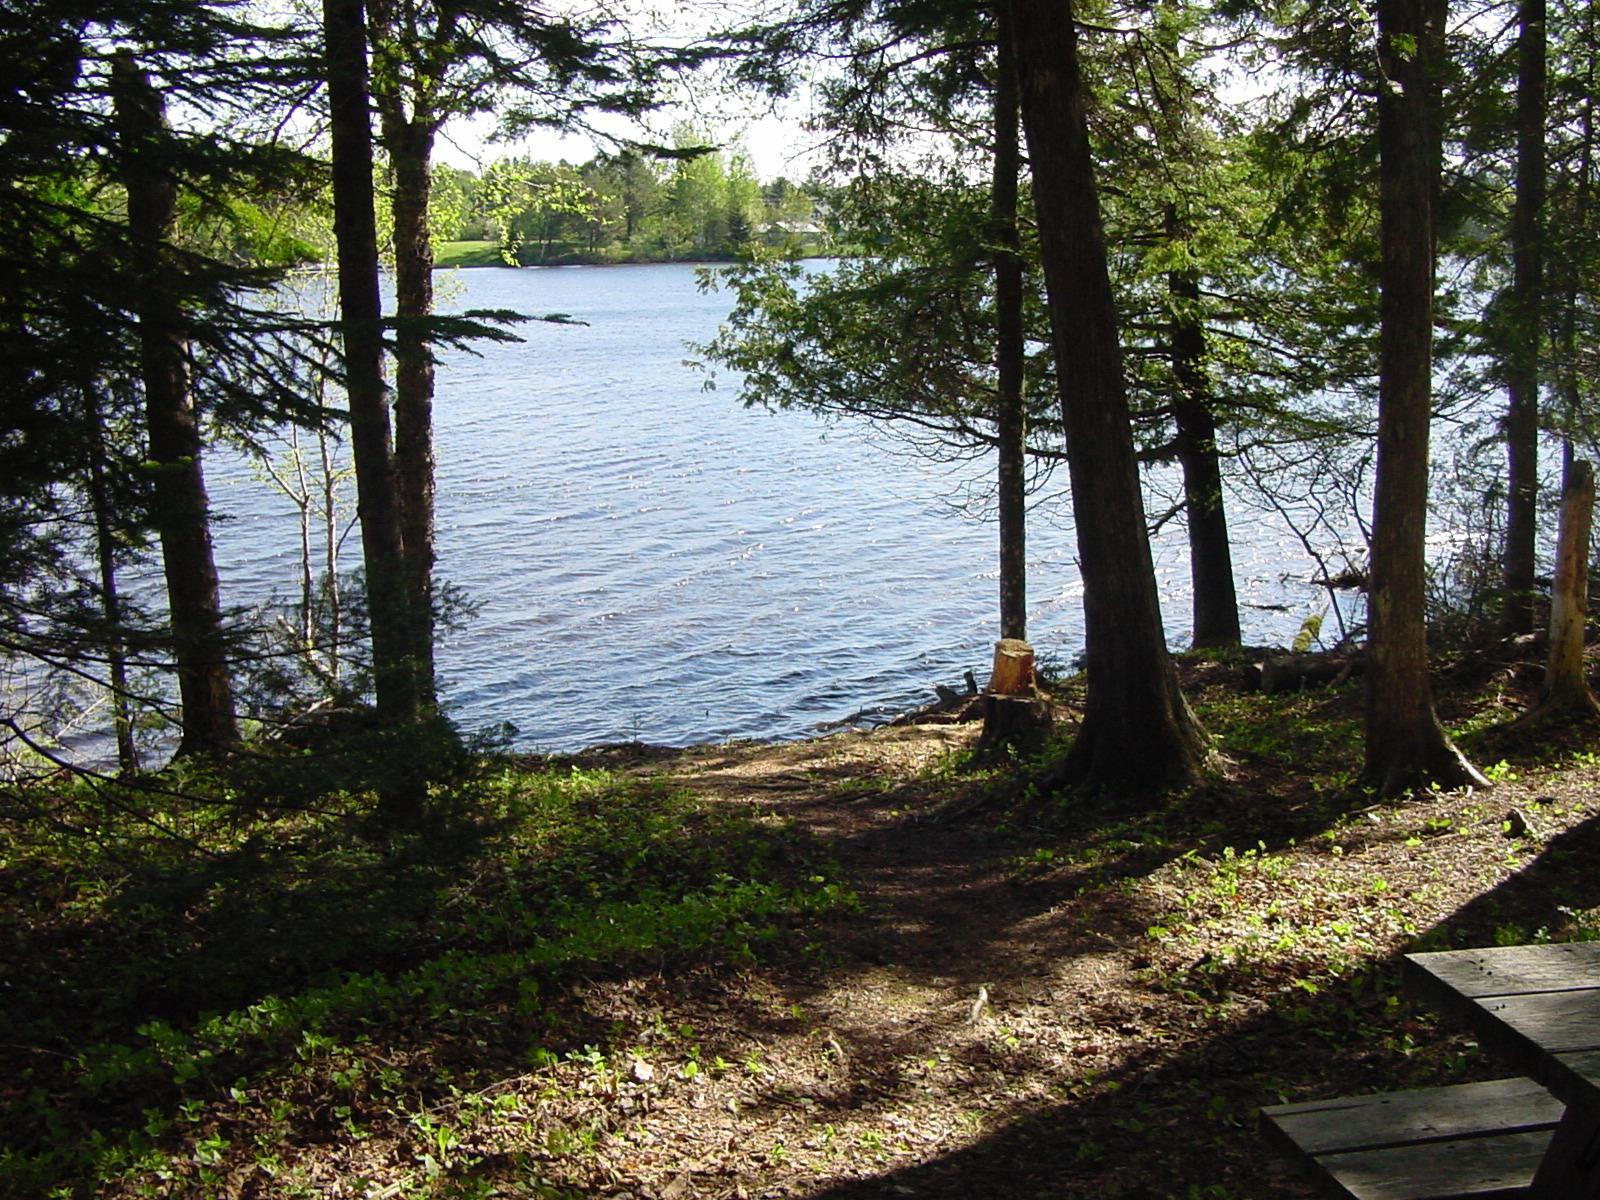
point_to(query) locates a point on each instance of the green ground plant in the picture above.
(570, 974)
(204, 978)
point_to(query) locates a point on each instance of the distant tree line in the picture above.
(704, 205)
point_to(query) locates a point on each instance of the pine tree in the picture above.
(114, 311)
(395, 673)
(434, 60)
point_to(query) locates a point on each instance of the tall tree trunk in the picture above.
(1137, 729)
(1215, 602)
(110, 595)
(1527, 293)
(361, 314)
(410, 146)
(181, 506)
(1010, 405)
(404, 80)
(1405, 744)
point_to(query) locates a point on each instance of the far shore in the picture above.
(463, 255)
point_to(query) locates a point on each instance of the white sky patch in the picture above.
(776, 142)
(771, 132)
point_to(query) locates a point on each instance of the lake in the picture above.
(653, 561)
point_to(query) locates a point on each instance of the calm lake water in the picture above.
(651, 560)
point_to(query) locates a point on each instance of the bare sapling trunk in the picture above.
(181, 506)
(293, 485)
(1566, 689)
(332, 539)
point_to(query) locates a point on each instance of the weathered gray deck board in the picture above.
(1487, 1168)
(1538, 1007)
(1557, 1022)
(1468, 1140)
(1506, 970)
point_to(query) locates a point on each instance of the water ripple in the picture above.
(652, 560)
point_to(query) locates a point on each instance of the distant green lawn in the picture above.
(468, 254)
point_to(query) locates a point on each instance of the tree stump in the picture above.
(1016, 717)
(1013, 725)
(1013, 673)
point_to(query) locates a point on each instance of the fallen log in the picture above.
(1297, 672)
(951, 708)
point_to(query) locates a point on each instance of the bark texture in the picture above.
(1137, 729)
(1010, 407)
(1215, 602)
(1527, 291)
(1406, 747)
(361, 313)
(181, 506)
(409, 127)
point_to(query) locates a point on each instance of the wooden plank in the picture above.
(1539, 1007)
(1428, 1114)
(1571, 1166)
(1550, 1016)
(1486, 1168)
(1555, 1022)
(1508, 970)
(1576, 1075)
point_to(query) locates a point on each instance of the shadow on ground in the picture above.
(1179, 1121)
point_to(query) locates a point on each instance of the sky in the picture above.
(777, 143)
(775, 140)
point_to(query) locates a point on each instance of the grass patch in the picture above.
(468, 254)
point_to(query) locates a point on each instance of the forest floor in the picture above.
(864, 967)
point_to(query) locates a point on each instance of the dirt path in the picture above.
(1026, 1008)
(962, 1016)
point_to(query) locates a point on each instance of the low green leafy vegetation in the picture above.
(194, 993)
